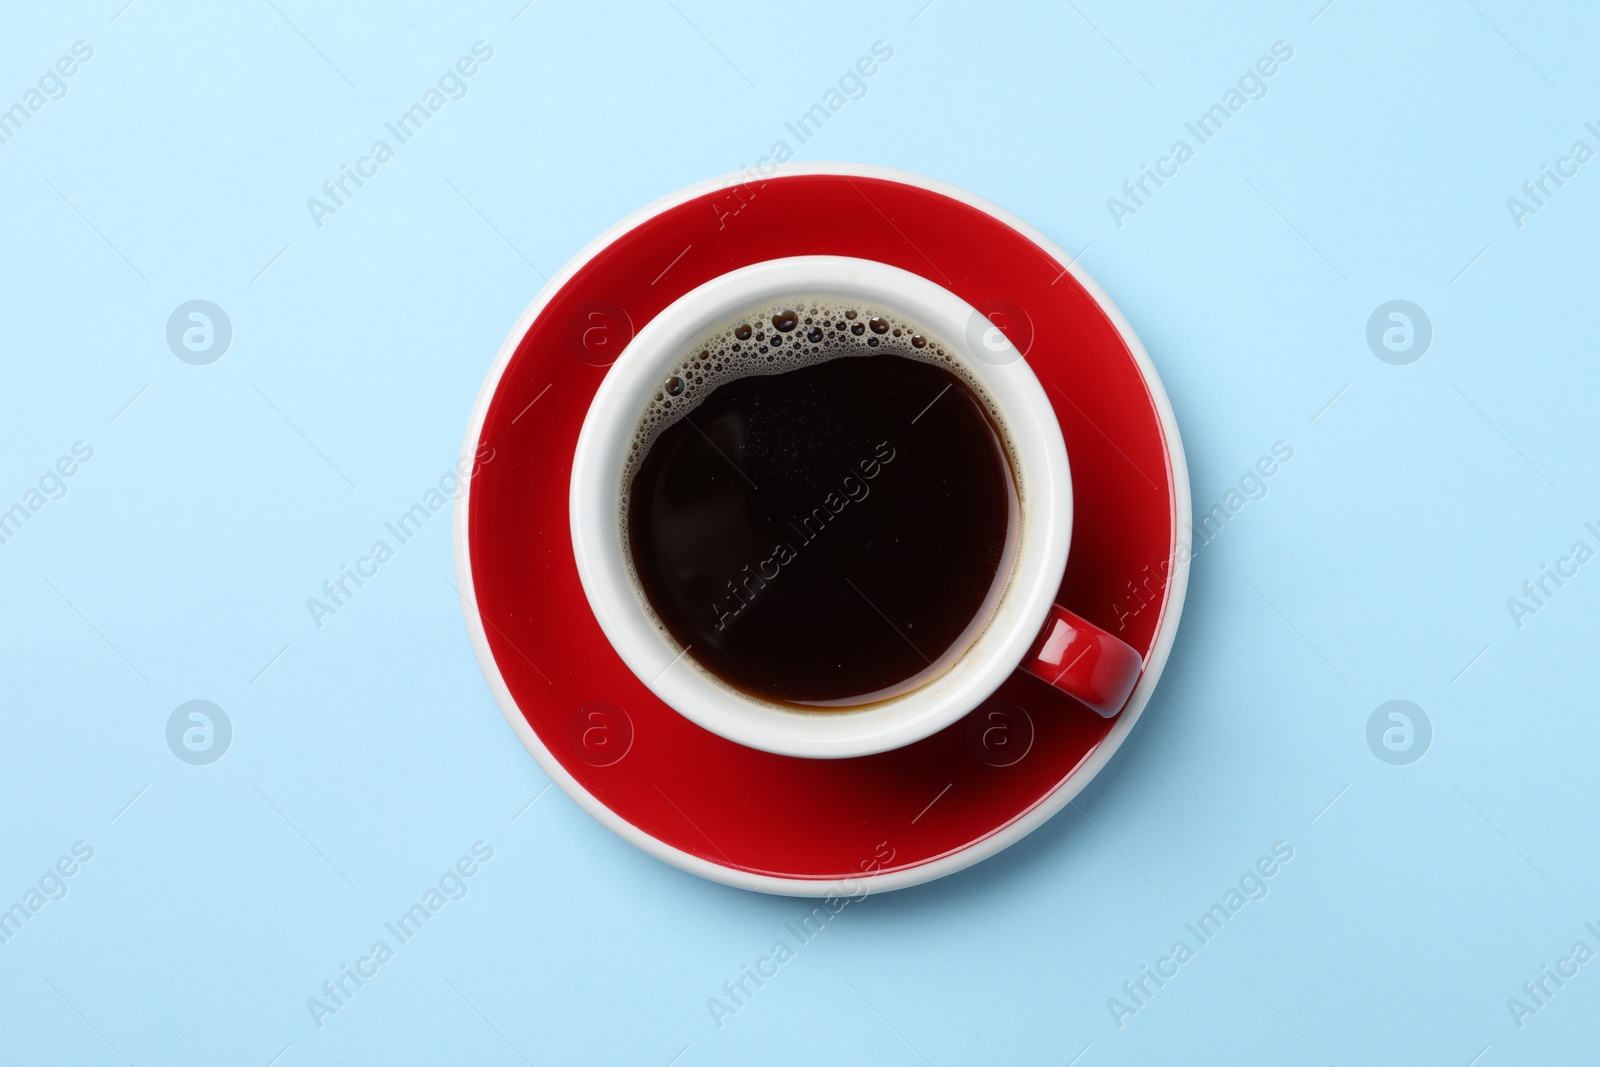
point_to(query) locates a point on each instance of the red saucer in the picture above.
(750, 818)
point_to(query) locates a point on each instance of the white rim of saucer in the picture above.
(1009, 834)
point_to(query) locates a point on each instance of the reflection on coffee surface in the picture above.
(819, 506)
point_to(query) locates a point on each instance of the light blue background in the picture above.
(369, 755)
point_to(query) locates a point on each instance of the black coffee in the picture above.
(829, 529)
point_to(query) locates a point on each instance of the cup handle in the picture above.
(1084, 661)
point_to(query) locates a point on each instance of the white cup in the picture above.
(1072, 654)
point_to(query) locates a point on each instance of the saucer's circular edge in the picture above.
(1003, 836)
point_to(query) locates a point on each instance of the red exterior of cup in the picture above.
(1085, 662)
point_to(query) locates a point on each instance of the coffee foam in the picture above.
(757, 342)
